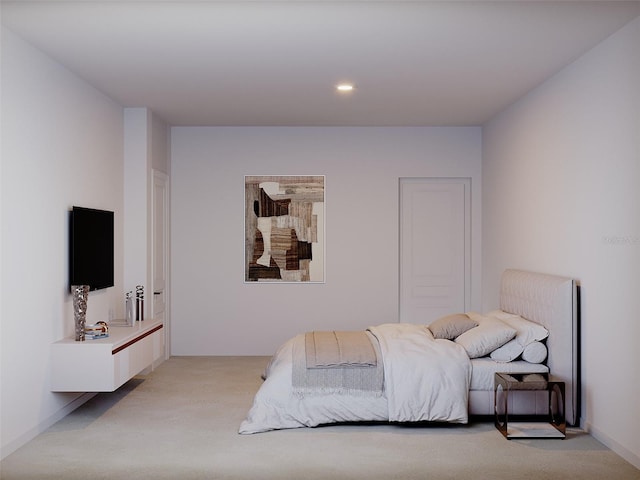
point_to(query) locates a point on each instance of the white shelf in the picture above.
(105, 364)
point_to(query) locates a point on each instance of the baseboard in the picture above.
(607, 441)
(9, 448)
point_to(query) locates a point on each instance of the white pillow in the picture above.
(507, 352)
(528, 331)
(535, 352)
(490, 334)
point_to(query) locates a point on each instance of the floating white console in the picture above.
(105, 364)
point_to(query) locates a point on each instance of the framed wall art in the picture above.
(284, 228)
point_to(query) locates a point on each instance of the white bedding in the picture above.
(425, 380)
(485, 368)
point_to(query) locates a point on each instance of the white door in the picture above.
(160, 254)
(435, 247)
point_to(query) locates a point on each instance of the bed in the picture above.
(441, 372)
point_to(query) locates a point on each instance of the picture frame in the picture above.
(284, 228)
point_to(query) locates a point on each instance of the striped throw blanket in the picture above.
(337, 363)
(339, 349)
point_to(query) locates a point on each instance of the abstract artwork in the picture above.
(284, 228)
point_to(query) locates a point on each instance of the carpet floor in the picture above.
(181, 422)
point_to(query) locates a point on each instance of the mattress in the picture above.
(483, 370)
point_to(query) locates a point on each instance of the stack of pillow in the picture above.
(502, 336)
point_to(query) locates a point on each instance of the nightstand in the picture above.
(549, 425)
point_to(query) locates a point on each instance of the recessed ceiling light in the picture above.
(344, 87)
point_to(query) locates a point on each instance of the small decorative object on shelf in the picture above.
(139, 302)
(97, 330)
(129, 308)
(80, 295)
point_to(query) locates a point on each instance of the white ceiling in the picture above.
(276, 63)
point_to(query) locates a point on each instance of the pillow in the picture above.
(535, 352)
(507, 352)
(490, 334)
(451, 326)
(528, 331)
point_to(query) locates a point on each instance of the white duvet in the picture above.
(425, 379)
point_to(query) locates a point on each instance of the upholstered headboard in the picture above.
(551, 301)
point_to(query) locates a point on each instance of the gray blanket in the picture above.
(354, 371)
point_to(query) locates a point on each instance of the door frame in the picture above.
(158, 175)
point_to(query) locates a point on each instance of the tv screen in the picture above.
(91, 248)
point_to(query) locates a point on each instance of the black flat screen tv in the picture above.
(91, 248)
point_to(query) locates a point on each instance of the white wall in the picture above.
(160, 145)
(560, 195)
(62, 145)
(137, 164)
(146, 149)
(214, 312)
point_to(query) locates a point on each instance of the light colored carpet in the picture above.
(181, 422)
